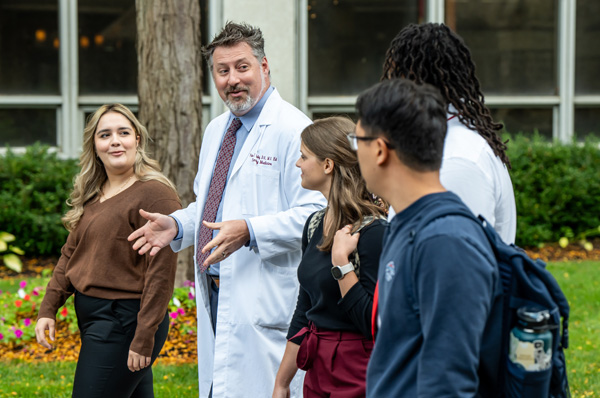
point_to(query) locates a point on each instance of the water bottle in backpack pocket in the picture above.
(530, 354)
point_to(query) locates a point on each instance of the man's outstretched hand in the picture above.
(158, 232)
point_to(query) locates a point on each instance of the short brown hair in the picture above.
(235, 33)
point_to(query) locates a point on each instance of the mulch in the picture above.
(180, 347)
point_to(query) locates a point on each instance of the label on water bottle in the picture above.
(530, 354)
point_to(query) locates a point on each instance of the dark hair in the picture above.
(235, 33)
(410, 116)
(432, 53)
(349, 200)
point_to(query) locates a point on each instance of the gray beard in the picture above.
(237, 107)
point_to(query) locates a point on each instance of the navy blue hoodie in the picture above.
(439, 314)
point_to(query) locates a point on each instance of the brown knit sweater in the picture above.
(98, 261)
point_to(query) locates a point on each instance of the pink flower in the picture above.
(27, 322)
(180, 311)
(191, 296)
(188, 283)
(36, 292)
(1, 336)
(173, 315)
(23, 284)
(18, 333)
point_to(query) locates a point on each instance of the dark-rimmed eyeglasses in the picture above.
(353, 140)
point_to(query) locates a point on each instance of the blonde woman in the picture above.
(121, 297)
(330, 332)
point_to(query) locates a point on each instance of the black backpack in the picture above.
(525, 282)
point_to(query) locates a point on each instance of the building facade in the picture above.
(537, 60)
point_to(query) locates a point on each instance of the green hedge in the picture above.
(33, 189)
(557, 188)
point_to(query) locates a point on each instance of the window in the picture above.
(29, 45)
(106, 44)
(52, 75)
(347, 40)
(587, 49)
(587, 122)
(20, 127)
(525, 120)
(513, 43)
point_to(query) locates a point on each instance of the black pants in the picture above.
(107, 328)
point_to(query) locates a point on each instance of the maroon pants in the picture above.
(335, 363)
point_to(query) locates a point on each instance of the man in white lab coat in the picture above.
(246, 297)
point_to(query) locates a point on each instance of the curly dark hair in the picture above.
(432, 53)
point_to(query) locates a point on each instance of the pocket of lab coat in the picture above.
(276, 296)
(260, 188)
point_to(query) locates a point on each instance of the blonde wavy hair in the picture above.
(349, 200)
(88, 183)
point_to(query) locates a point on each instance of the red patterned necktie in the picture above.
(215, 191)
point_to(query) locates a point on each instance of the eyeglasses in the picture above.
(353, 140)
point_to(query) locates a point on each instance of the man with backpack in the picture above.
(439, 311)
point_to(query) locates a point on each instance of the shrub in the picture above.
(556, 188)
(33, 189)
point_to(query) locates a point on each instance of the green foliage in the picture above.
(33, 189)
(9, 254)
(556, 188)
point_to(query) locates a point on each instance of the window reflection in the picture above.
(106, 45)
(587, 49)
(29, 47)
(20, 127)
(513, 43)
(347, 40)
(525, 121)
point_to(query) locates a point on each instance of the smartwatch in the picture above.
(338, 272)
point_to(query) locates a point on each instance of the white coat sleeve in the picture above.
(281, 232)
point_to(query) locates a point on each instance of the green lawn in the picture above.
(579, 280)
(581, 283)
(23, 379)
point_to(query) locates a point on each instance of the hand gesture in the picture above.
(137, 362)
(344, 243)
(232, 235)
(158, 232)
(40, 331)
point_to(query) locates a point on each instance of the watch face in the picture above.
(336, 272)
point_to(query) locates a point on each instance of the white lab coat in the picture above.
(258, 288)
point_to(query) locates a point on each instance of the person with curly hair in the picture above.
(475, 164)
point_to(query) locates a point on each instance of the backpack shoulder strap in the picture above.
(313, 223)
(367, 220)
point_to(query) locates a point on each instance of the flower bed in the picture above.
(19, 312)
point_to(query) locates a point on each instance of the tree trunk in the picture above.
(170, 94)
